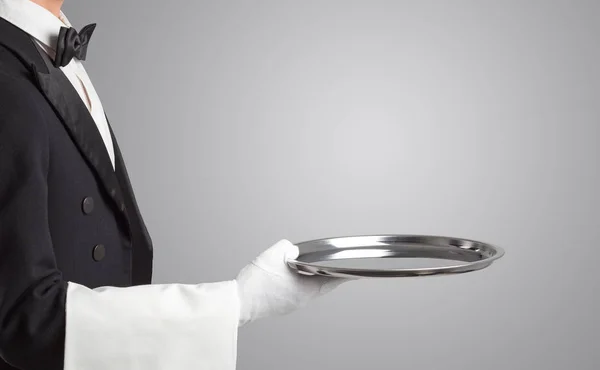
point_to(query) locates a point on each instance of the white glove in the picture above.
(269, 287)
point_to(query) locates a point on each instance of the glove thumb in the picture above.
(274, 259)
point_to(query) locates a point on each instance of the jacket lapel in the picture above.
(80, 124)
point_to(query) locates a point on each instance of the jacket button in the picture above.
(87, 205)
(99, 252)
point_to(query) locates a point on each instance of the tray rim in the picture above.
(307, 268)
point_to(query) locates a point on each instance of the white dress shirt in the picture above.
(44, 27)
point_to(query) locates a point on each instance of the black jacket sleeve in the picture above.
(32, 291)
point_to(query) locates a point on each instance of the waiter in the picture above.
(75, 254)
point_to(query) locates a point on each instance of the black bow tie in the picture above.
(72, 44)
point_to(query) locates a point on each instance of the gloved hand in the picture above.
(269, 287)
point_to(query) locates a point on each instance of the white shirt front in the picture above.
(45, 30)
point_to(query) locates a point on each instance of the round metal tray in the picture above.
(387, 256)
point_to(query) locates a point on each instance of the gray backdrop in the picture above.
(245, 122)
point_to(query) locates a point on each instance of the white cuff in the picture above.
(152, 327)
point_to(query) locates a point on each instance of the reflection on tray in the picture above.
(387, 263)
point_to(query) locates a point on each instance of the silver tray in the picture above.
(392, 256)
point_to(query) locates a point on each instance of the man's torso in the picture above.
(93, 242)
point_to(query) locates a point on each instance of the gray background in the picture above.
(245, 122)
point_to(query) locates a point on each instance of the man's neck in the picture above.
(53, 6)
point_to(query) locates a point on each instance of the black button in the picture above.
(87, 205)
(99, 252)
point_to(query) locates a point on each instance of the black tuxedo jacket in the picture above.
(65, 214)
